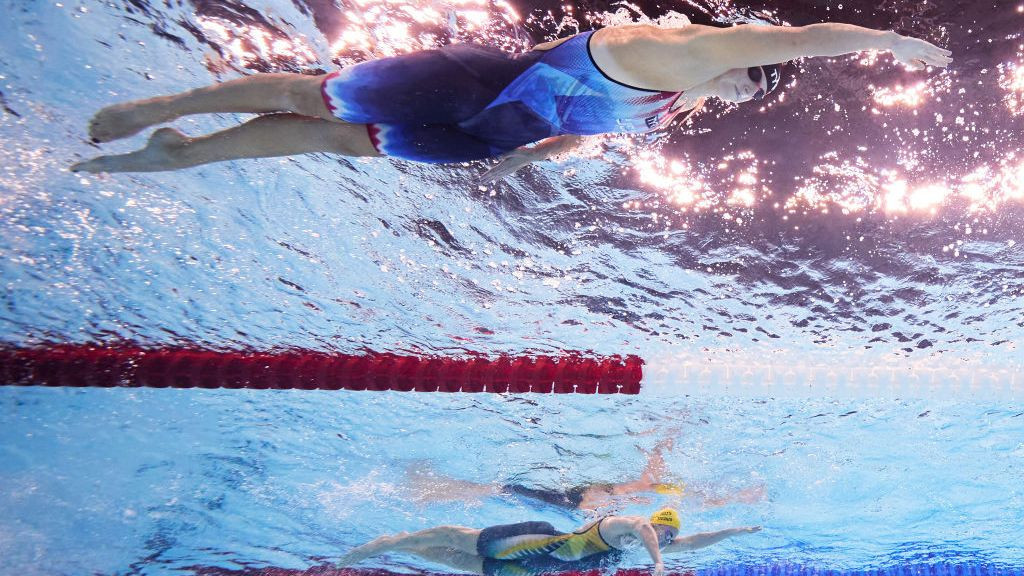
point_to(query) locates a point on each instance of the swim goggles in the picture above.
(755, 73)
(772, 74)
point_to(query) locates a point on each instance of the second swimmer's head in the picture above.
(666, 523)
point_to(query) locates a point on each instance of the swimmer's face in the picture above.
(666, 534)
(741, 85)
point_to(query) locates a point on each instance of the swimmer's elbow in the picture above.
(751, 45)
(572, 142)
(557, 145)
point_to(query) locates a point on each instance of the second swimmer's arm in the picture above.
(524, 155)
(702, 539)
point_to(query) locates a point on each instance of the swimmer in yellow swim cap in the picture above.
(669, 489)
(426, 485)
(666, 517)
(533, 548)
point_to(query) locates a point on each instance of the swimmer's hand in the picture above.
(916, 54)
(516, 159)
(747, 529)
(508, 164)
(659, 569)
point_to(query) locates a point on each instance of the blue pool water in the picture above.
(158, 481)
(844, 261)
(594, 254)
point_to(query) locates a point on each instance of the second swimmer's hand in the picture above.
(507, 165)
(916, 54)
(659, 569)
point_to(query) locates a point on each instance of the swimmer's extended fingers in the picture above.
(506, 166)
(916, 54)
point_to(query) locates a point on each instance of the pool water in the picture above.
(160, 481)
(865, 218)
(750, 235)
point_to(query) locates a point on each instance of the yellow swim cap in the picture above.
(666, 517)
(672, 489)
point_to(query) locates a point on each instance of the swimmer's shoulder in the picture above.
(652, 57)
(648, 33)
(629, 33)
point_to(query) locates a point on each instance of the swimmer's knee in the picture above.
(350, 140)
(304, 96)
(459, 537)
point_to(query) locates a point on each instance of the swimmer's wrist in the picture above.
(538, 153)
(889, 40)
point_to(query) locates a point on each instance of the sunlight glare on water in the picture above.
(849, 213)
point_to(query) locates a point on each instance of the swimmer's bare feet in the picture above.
(162, 152)
(123, 120)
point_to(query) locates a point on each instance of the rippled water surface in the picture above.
(864, 217)
(163, 481)
(866, 214)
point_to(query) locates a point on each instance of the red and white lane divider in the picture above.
(129, 366)
(83, 365)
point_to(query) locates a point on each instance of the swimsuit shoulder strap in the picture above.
(556, 43)
(596, 527)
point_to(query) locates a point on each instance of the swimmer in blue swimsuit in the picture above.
(533, 548)
(468, 102)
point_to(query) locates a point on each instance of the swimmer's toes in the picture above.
(162, 152)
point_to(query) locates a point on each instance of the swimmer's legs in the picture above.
(454, 538)
(260, 94)
(598, 496)
(427, 486)
(452, 559)
(263, 137)
(654, 472)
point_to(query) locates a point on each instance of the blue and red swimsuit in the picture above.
(466, 101)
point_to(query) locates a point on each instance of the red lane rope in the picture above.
(332, 571)
(128, 366)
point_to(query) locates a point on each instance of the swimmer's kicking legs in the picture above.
(308, 127)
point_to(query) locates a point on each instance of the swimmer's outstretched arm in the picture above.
(743, 46)
(516, 159)
(702, 539)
